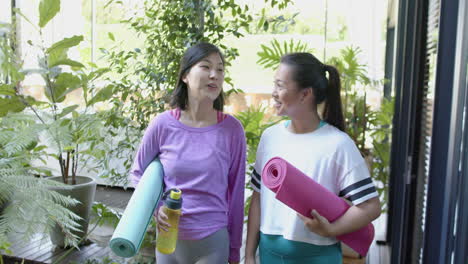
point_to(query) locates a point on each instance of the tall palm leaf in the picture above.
(270, 56)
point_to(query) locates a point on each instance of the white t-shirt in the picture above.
(328, 156)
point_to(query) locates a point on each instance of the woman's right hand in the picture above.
(161, 219)
(250, 260)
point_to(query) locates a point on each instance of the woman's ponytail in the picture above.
(333, 111)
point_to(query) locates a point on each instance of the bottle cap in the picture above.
(175, 194)
(173, 198)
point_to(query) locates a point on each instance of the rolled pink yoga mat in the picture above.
(302, 194)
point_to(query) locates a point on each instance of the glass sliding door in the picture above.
(460, 230)
(447, 171)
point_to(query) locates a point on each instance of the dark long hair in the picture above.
(309, 72)
(191, 57)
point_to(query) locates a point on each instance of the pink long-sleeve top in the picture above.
(208, 165)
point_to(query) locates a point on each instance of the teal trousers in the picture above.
(275, 249)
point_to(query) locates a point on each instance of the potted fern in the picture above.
(72, 134)
(28, 206)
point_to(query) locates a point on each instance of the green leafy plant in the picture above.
(145, 76)
(367, 127)
(105, 260)
(354, 77)
(381, 121)
(269, 57)
(354, 82)
(4, 248)
(255, 121)
(264, 22)
(73, 134)
(273, 24)
(101, 215)
(46, 128)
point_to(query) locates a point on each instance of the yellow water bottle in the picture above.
(166, 241)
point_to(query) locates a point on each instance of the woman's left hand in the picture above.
(318, 224)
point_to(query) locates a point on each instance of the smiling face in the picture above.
(205, 79)
(289, 98)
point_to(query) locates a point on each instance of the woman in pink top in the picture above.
(203, 154)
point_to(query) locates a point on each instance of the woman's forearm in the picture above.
(253, 226)
(357, 217)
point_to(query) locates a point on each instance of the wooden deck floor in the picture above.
(40, 250)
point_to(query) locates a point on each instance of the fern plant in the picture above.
(269, 57)
(28, 206)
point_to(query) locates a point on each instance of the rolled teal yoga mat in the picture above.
(128, 235)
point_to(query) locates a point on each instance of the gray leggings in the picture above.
(212, 249)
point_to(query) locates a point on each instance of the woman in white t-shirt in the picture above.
(322, 150)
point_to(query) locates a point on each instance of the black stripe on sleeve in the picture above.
(355, 186)
(255, 183)
(257, 176)
(361, 194)
(256, 179)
